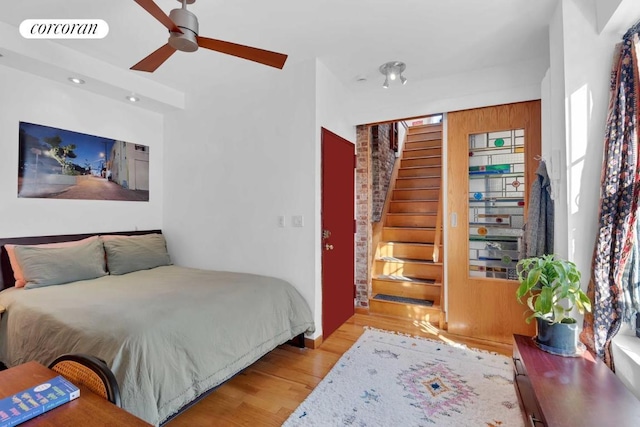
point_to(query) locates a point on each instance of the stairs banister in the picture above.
(438, 237)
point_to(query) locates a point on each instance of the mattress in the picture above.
(169, 334)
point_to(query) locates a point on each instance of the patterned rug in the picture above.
(388, 379)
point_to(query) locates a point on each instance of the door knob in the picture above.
(328, 247)
(326, 234)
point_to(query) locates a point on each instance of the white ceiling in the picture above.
(351, 37)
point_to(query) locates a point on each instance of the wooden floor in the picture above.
(267, 392)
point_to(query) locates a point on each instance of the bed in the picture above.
(169, 333)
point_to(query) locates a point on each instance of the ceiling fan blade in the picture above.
(272, 59)
(155, 11)
(156, 59)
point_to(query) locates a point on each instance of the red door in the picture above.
(338, 226)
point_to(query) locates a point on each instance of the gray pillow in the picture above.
(55, 266)
(132, 253)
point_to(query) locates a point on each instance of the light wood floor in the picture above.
(267, 392)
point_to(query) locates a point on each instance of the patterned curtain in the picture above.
(620, 185)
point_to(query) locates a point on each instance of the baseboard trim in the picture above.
(313, 343)
(362, 310)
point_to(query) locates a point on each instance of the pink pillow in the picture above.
(18, 275)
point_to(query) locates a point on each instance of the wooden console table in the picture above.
(87, 410)
(556, 391)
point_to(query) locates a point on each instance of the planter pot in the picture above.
(558, 338)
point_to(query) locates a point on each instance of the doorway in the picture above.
(492, 164)
(338, 228)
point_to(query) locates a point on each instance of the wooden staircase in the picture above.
(407, 269)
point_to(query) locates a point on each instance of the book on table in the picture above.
(34, 401)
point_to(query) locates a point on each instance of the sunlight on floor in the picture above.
(430, 329)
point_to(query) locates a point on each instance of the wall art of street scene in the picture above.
(61, 164)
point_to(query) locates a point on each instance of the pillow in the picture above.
(132, 253)
(46, 266)
(15, 266)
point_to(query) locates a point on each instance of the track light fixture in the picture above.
(393, 71)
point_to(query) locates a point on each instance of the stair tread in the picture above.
(413, 213)
(409, 228)
(419, 177)
(421, 167)
(416, 280)
(417, 188)
(413, 226)
(424, 127)
(404, 300)
(411, 150)
(429, 147)
(409, 260)
(398, 242)
(423, 157)
(412, 200)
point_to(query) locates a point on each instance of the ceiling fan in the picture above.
(183, 36)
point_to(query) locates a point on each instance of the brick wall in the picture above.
(363, 215)
(374, 166)
(382, 160)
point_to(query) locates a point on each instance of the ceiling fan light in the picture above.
(403, 79)
(386, 83)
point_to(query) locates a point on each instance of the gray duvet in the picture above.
(169, 334)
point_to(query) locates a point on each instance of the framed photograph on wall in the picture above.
(56, 163)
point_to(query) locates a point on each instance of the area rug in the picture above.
(388, 379)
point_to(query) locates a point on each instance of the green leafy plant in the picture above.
(552, 288)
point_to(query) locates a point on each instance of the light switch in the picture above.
(297, 221)
(282, 222)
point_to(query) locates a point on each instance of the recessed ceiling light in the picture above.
(76, 80)
(132, 98)
(361, 78)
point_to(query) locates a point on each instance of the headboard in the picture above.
(6, 272)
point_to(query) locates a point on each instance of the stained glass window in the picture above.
(496, 202)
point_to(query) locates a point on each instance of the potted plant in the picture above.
(552, 290)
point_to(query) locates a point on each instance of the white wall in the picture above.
(580, 67)
(605, 10)
(480, 88)
(553, 125)
(34, 99)
(587, 64)
(332, 100)
(240, 155)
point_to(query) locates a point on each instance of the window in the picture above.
(630, 300)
